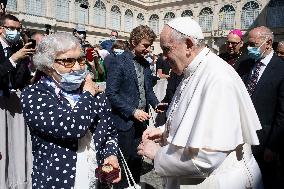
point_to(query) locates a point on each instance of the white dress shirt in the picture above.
(5, 45)
(265, 61)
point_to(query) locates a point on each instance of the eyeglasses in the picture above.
(70, 62)
(233, 43)
(11, 28)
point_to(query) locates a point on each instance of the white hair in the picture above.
(178, 36)
(51, 46)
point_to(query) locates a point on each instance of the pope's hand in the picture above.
(152, 133)
(148, 148)
(113, 161)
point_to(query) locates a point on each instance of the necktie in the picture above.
(253, 79)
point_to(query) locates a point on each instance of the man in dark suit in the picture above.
(107, 44)
(14, 75)
(130, 91)
(14, 71)
(264, 78)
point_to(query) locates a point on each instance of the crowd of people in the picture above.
(223, 117)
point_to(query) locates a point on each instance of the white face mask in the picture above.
(73, 80)
(81, 36)
(118, 51)
(12, 36)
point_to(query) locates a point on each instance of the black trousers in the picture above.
(128, 142)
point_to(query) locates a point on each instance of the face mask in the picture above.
(81, 36)
(254, 52)
(118, 51)
(12, 36)
(72, 81)
(112, 38)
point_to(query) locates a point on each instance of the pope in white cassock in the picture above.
(211, 122)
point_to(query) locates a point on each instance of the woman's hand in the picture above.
(91, 86)
(113, 161)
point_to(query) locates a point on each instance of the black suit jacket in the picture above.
(238, 59)
(19, 77)
(123, 92)
(268, 100)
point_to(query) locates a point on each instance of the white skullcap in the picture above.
(186, 26)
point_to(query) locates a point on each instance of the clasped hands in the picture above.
(150, 142)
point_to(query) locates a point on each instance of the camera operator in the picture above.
(14, 75)
(80, 33)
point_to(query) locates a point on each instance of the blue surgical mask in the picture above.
(113, 38)
(254, 52)
(118, 51)
(12, 36)
(73, 80)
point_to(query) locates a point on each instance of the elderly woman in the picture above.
(69, 119)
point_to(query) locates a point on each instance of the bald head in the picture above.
(261, 37)
(280, 49)
(262, 32)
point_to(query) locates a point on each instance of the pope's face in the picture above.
(173, 51)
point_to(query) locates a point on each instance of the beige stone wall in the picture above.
(147, 7)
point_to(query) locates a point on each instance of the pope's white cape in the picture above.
(215, 110)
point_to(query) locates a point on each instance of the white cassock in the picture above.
(211, 126)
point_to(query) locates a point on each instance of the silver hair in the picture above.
(51, 46)
(178, 36)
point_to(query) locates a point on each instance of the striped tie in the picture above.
(253, 79)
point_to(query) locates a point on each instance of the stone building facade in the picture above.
(216, 17)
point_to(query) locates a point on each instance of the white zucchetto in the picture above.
(186, 26)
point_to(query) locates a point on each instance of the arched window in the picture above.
(115, 17)
(275, 13)
(128, 20)
(62, 10)
(81, 14)
(11, 5)
(154, 23)
(140, 19)
(100, 14)
(205, 19)
(187, 13)
(227, 17)
(168, 16)
(250, 11)
(35, 7)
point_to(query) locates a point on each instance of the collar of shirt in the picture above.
(72, 96)
(3, 43)
(267, 58)
(195, 62)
